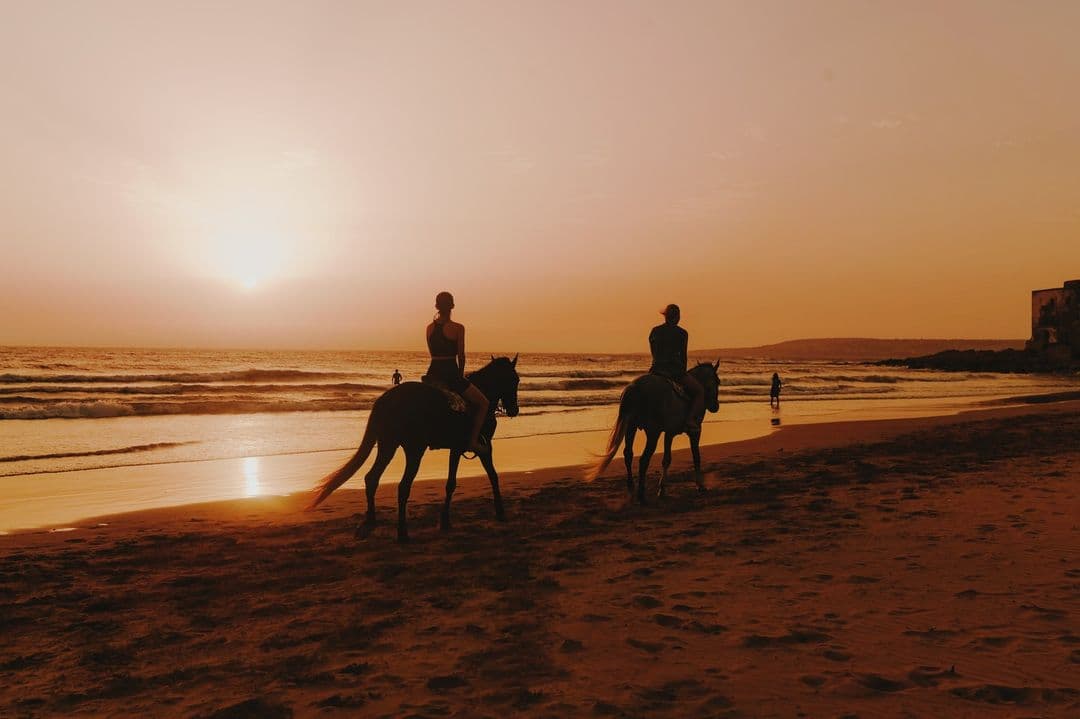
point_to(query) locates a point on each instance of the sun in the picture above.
(249, 249)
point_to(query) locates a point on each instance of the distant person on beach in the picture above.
(446, 343)
(396, 378)
(774, 391)
(668, 343)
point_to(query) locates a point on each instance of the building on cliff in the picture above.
(1055, 322)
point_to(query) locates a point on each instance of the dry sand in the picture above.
(922, 567)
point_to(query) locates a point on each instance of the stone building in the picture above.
(1055, 322)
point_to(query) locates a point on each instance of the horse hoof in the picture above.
(403, 538)
(444, 526)
(363, 531)
(500, 516)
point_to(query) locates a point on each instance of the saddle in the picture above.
(454, 400)
(676, 387)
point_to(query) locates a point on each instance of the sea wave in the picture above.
(573, 384)
(181, 389)
(96, 453)
(100, 409)
(245, 375)
(581, 374)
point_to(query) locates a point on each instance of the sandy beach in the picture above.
(919, 567)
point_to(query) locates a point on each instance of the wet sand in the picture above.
(922, 567)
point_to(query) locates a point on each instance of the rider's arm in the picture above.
(461, 349)
(683, 358)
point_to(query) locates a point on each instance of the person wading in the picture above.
(668, 343)
(446, 343)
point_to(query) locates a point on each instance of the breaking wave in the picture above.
(246, 375)
(99, 409)
(96, 453)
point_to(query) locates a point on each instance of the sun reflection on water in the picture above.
(251, 477)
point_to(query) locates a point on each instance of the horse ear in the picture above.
(513, 362)
(492, 358)
(716, 367)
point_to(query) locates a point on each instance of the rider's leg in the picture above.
(697, 402)
(478, 405)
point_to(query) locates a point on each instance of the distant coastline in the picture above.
(1007, 361)
(858, 349)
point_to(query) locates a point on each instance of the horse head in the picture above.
(498, 380)
(706, 374)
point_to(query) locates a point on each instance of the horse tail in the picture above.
(618, 433)
(341, 475)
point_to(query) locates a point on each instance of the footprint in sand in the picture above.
(1019, 696)
(861, 579)
(931, 676)
(878, 683)
(647, 602)
(444, 683)
(650, 647)
(1045, 613)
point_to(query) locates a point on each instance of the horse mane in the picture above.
(495, 362)
(699, 365)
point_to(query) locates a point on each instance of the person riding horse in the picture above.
(446, 343)
(668, 342)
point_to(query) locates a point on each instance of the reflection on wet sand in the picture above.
(251, 477)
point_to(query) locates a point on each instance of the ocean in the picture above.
(70, 417)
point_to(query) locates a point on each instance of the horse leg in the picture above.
(412, 466)
(628, 457)
(662, 489)
(651, 436)
(489, 467)
(699, 478)
(371, 485)
(451, 485)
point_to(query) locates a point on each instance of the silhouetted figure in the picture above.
(774, 391)
(650, 404)
(396, 378)
(446, 343)
(416, 416)
(668, 342)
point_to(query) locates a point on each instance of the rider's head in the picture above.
(444, 302)
(671, 314)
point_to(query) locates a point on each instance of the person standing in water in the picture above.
(774, 391)
(668, 343)
(446, 343)
(396, 378)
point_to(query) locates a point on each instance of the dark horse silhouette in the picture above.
(416, 417)
(651, 403)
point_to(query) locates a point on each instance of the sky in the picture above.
(310, 175)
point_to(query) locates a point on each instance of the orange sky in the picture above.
(311, 174)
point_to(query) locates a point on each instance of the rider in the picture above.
(667, 342)
(446, 343)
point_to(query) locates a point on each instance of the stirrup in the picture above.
(485, 448)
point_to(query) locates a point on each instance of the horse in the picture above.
(417, 416)
(653, 404)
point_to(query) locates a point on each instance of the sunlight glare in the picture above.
(249, 244)
(251, 477)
